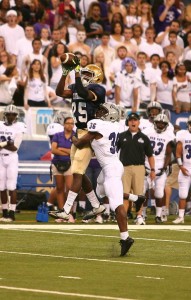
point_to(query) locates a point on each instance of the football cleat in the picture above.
(94, 212)
(141, 199)
(99, 219)
(158, 220)
(178, 221)
(126, 245)
(164, 218)
(59, 214)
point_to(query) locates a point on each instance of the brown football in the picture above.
(67, 59)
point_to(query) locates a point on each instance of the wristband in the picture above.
(153, 170)
(3, 144)
(179, 161)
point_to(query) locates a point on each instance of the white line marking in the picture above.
(60, 293)
(93, 259)
(97, 235)
(147, 277)
(86, 226)
(69, 277)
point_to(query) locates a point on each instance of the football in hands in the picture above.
(69, 60)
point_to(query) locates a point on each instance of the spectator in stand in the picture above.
(154, 64)
(181, 89)
(72, 24)
(163, 39)
(79, 45)
(144, 76)
(35, 54)
(146, 19)
(64, 34)
(4, 7)
(66, 5)
(11, 31)
(109, 52)
(45, 38)
(51, 12)
(132, 15)
(162, 86)
(150, 47)
(116, 7)
(187, 51)
(173, 47)
(5, 60)
(56, 69)
(171, 58)
(166, 13)
(94, 26)
(186, 27)
(84, 7)
(24, 46)
(116, 64)
(116, 35)
(41, 17)
(36, 93)
(8, 84)
(127, 85)
(2, 44)
(99, 60)
(128, 43)
(137, 38)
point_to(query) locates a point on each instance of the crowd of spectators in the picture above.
(155, 35)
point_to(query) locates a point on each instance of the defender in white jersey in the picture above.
(102, 133)
(161, 141)
(11, 133)
(183, 156)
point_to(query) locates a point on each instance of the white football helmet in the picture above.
(189, 124)
(91, 74)
(123, 111)
(11, 109)
(108, 112)
(151, 113)
(161, 123)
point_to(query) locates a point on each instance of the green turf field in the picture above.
(75, 261)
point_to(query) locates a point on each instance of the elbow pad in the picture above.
(81, 90)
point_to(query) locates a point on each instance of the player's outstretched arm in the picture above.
(81, 90)
(83, 141)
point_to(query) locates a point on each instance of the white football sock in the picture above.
(124, 235)
(158, 211)
(133, 197)
(93, 199)
(70, 201)
(181, 213)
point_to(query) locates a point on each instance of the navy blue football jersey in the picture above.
(84, 110)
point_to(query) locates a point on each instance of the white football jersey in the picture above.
(54, 128)
(10, 132)
(159, 142)
(105, 147)
(184, 136)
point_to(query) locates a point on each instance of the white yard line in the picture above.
(69, 277)
(147, 277)
(94, 259)
(97, 227)
(94, 235)
(60, 293)
(86, 226)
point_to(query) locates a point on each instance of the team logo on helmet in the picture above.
(91, 74)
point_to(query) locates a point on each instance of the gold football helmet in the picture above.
(91, 74)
